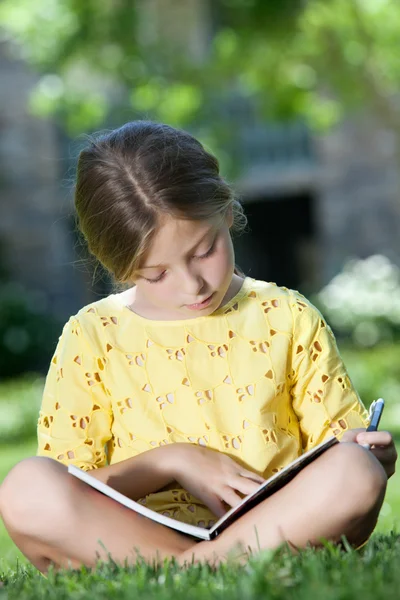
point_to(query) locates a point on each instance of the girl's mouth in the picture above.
(201, 305)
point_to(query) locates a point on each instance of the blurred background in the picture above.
(299, 99)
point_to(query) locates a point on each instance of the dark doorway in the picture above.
(280, 243)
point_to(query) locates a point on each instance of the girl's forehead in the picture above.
(184, 228)
(176, 237)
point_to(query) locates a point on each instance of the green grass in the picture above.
(326, 574)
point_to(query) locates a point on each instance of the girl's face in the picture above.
(188, 263)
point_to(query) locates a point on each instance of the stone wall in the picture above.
(353, 182)
(358, 191)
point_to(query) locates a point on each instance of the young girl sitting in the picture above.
(191, 387)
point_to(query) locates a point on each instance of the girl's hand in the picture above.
(212, 476)
(382, 446)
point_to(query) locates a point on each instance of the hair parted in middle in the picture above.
(130, 179)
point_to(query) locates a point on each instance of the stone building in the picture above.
(311, 203)
(36, 243)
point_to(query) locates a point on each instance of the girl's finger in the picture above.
(230, 496)
(215, 505)
(375, 438)
(252, 476)
(244, 486)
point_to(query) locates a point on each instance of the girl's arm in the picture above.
(143, 474)
(323, 396)
(213, 477)
(207, 474)
(75, 418)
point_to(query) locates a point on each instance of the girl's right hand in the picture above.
(212, 476)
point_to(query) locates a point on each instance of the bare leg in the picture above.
(55, 518)
(341, 493)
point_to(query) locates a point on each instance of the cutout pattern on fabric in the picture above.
(262, 383)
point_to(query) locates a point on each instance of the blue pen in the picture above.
(375, 411)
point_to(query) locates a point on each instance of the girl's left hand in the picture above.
(382, 446)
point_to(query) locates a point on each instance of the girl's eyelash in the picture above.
(206, 255)
(161, 276)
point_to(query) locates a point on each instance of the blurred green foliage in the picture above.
(363, 301)
(28, 333)
(19, 408)
(112, 61)
(375, 373)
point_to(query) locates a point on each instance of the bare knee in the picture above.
(32, 493)
(360, 475)
(360, 482)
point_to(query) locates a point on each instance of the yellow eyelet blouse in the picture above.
(260, 379)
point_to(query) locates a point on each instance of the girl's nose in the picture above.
(192, 285)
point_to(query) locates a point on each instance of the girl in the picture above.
(189, 388)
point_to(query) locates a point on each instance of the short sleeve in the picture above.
(75, 417)
(323, 396)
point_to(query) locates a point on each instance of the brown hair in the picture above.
(131, 177)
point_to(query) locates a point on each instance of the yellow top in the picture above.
(260, 379)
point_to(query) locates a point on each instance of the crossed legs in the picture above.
(56, 519)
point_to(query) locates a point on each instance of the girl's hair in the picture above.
(130, 178)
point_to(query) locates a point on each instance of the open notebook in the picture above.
(267, 488)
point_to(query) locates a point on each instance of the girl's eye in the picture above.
(162, 275)
(208, 253)
(159, 278)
